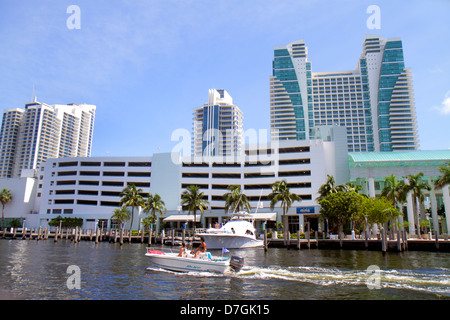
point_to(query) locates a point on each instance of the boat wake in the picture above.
(435, 281)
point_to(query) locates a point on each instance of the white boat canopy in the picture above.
(272, 216)
(182, 217)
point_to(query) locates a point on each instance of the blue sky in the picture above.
(148, 64)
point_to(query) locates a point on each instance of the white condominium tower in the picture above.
(41, 131)
(375, 101)
(217, 126)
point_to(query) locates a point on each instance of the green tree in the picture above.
(444, 180)
(327, 188)
(235, 199)
(131, 197)
(281, 193)
(415, 185)
(154, 204)
(192, 200)
(379, 210)
(5, 197)
(395, 191)
(341, 207)
(122, 214)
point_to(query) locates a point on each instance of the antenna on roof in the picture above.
(33, 95)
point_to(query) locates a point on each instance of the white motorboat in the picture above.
(205, 262)
(237, 233)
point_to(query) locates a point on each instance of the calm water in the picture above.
(38, 270)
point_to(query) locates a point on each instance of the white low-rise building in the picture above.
(90, 188)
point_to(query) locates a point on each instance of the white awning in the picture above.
(182, 217)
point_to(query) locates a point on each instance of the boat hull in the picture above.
(230, 241)
(173, 262)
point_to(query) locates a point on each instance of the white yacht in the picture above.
(238, 232)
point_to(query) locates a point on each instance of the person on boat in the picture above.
(182, 250)
(201, 248)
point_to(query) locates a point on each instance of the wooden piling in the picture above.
(150, 231)
(173, 237)
(142, 236)
(405, 237)
(436, 236)
(316, 233)
(399, 241)
(308, 236)
(39, 235)
(383, 241)
(96, 235)
(121, 237)
(265, 240)
(299, 245)
(24, 233)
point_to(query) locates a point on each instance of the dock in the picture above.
(398, 243)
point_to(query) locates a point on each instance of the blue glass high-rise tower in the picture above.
(374, 101)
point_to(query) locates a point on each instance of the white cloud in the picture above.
(445, 105)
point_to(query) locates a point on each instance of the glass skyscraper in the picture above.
(374, 101)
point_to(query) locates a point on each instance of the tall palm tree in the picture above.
(154, 204)
(192, 200)
(5, 197)
(235, 199)
(122, 214)
(445, 178)
(131, 197)
(416, 186)
(280, 193)
(395, 191)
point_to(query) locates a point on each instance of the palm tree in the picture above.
(235, 199)
(395, 191)
(416, 186)
(192, 200)
(327, 188)
(122, 214)
(5, 197)
(131, 198)
(280, 193)
(445, 178)
(154, 204)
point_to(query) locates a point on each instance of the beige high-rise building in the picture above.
(40, 131)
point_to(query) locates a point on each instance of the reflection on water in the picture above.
(38, 270)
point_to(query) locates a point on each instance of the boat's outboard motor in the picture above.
(236, 263)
